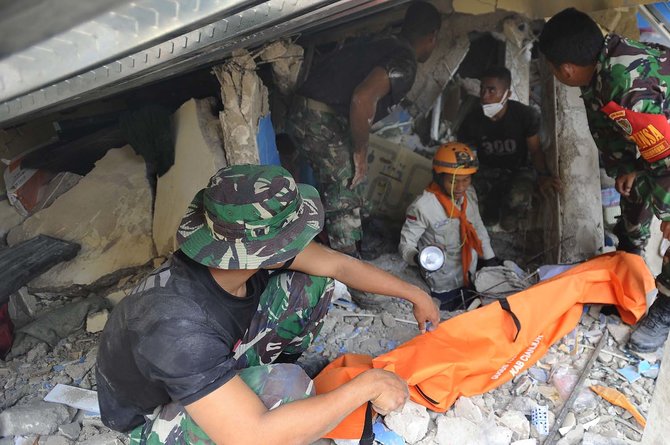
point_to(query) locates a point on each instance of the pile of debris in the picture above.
(518, 412)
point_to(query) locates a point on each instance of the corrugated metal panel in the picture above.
(179, 54)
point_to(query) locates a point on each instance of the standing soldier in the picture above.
(343, 96)
(624, 87)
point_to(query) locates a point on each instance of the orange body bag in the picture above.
(480, 350)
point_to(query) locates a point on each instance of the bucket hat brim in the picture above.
(199, 243)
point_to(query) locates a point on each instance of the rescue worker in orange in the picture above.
(446, 215)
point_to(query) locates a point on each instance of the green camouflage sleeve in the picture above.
(648, 95)
(618, 153)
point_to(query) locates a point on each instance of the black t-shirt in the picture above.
(173, 339)
(333, 79)
(501, 143)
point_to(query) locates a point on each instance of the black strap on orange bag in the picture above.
(507, 308)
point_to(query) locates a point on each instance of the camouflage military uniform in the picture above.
(248, 217)
(323, 136)
(625, 103)
(504, 195)
(288, 319)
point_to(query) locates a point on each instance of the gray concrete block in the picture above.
(36, 418)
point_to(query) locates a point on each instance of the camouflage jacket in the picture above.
(635, 75)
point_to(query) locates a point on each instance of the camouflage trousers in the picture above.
(650, 196)
(503, 193)
(324, 138)
(289, 317)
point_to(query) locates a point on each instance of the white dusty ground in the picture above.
(498, 417)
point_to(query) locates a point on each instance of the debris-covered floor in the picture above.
(501, 416)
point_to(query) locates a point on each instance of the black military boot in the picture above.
(651, 332)
(625, 243)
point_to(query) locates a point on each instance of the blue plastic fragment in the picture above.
(58, 368)
(647, 369)
(630, 372)
(385, 436)
(319, 348)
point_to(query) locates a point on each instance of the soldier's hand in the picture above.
(548, 183)
(388, 391)
(425, 311)
(624, 183)
(665, 228)
(360, 167)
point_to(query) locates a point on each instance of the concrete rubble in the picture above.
(108, 212)
(198, 155)
(246, 100)
(502, 416)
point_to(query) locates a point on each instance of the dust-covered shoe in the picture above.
(652, 331)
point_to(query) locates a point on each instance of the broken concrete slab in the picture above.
(54, 325)
(465, 407)
(108, 212)
(286, 59)
(517, 422)
(96, 322)
(198, 155)
(35, 418)
(459, 430)
(115, 297)
(411, 422)
(30, 258)
(245, 100)
(22, 307)
(70, 430)
(103, 439)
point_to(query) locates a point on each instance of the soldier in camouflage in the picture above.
(624, 86)
(345, 93)
(204, 349)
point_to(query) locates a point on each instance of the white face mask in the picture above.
(491, 110)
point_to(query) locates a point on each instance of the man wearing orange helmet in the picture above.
(446, 215)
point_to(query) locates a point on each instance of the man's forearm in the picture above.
(286, 425)
(365, 277)
(361, 114)
(540, 162)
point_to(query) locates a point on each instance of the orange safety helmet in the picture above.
(455, 158)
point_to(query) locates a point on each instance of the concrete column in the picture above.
(581, 205)
(658, 427)
(517, 60)
(574, 223)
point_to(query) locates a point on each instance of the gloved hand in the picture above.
(491, 262)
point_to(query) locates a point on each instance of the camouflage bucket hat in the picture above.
(248, 217)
